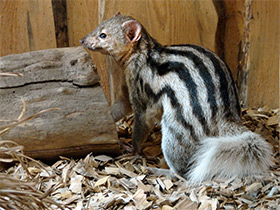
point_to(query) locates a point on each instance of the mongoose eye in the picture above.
(102, 36)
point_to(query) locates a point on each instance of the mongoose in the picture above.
(192, 92)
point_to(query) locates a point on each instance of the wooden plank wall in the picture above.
(82, 18)
(26, 26)
(170, 22)
(251, 51)
(263, 79)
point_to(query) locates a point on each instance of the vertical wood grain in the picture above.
(41, 24)
(263, 84)
(230, 32)
(25, 26)
(243, 55)
(234, 33)
(13, 19)
(82, 18)
(170, 22)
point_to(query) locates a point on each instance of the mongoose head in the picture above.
(115, 36)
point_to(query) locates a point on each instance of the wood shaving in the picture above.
(103, 182)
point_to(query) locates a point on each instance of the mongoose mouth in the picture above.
(89, 46)
(97, 49)
(92, 48)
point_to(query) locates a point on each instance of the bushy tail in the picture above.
(241, 155)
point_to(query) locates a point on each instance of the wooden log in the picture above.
(65, 78)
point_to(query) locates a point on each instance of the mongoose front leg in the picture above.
(141, 131)
(120, 109)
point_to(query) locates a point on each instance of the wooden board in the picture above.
(170, 22)
(263, 84)
(25, 26)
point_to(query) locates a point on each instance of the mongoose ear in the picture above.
(132, 30)
(118, 13)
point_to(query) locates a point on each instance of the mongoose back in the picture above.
(192, 92)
